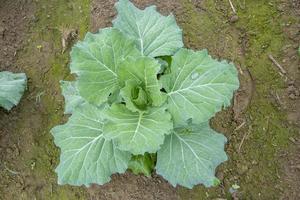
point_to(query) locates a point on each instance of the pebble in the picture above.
(292, 96)
(18, 185)
(241, 169)
(291, 88)
(234, 18)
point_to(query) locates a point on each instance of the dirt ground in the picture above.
(262, 126)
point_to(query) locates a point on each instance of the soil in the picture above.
(262, 126)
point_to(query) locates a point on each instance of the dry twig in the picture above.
(232, 7)
(240, 69)
(243, 139)
(277, 64)
(240, 126)
(11, 171)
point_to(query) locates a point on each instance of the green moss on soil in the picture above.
(256, 169)
(46, 65)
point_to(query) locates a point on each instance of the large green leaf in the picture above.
(154, 34)
(198, 86)
(141, 72)
(86, 156)
(71, 95)
(190, 155)
(137, 132)
(96, 59)
(12, 87)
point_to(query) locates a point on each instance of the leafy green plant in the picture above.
(141, 100)
(12, 87)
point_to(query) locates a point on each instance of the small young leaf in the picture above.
(198, 86)
(137, 132)
(140, 97)
(190, 158)
(154, 34)
(135, 97)
(143, 73)
(71, 95)
(96, 60)
(142, 164)
(86, 156)
(12, 87)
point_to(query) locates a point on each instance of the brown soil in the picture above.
(13, 26)
(27, 153)
(291, 101)
(15, 19)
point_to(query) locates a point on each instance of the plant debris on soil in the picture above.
(262, 126)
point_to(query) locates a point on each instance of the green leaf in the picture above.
(142, 164)
(114, 97)
(141, 72)
(12, 87)
(135, 97)
(139, 97)
(96, 60)
(137, 132)
(71, 95)
(154, 34)
(164, 65)
(190, 155)
(198, 86)
(86, 156)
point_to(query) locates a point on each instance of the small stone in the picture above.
(291, 88)
(254, 162)
(234, 18)
(292, 96)
(18, 185)
(291, 82)
(241, 169)
(9, 151)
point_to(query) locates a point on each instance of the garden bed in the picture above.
(262, 126)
